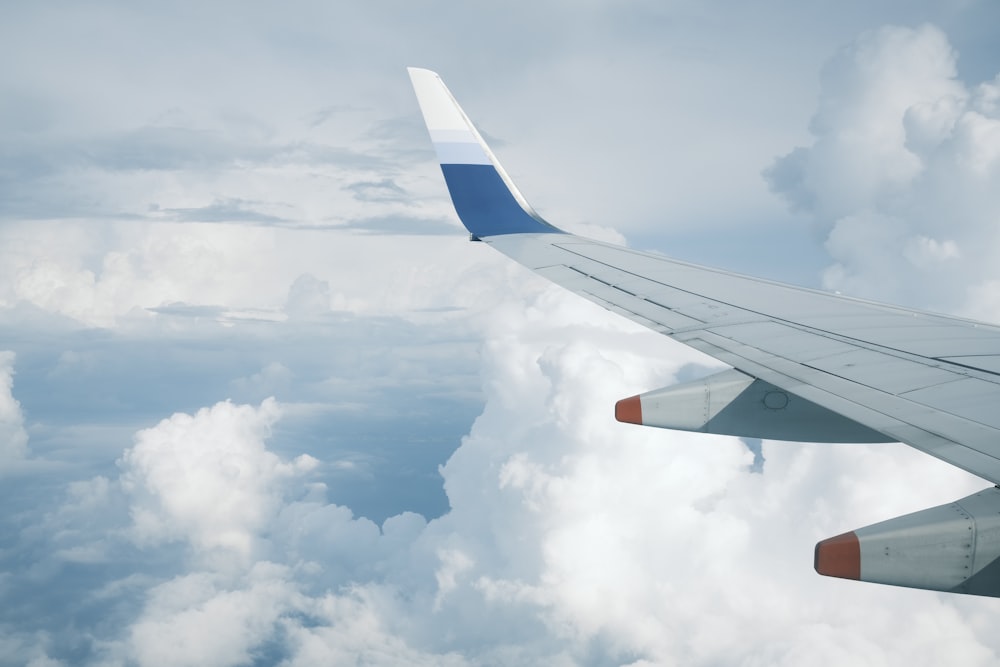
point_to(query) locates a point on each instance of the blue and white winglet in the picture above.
(486, 200)
(807, 365)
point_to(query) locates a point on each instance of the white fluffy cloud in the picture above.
(269, 563)
(623, 541)
(903, 174)
(196, 619)
(571, 539)
(208, 479)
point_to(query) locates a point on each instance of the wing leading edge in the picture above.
(810, 365)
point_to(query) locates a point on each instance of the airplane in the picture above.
(806, 365)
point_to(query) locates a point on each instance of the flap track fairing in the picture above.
(734, 403)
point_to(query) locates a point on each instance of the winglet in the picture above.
(485, 198)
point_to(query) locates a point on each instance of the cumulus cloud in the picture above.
(308, 297)
(201, 619)
(621, 542)
(570, 538)
(207, 479)
(265, 555)
(13, 437)
(903, 174)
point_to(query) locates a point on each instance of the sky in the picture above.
(262, 403)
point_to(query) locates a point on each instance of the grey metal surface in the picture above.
(953, 547)
(930, 549)
(734, 403)
(912, 376)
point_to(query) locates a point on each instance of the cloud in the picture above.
(169, 148)
(261, 553)
(619, 542)
(570, 538)
(233, 210)
(903, 173)
(189, 310)
(201, 619)
(402, 225)
(13, 437)
(382, 190)
(136, 308)
(308, 297)
(207, 479)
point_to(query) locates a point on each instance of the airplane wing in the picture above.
(807, 365)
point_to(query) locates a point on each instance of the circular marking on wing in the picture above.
(775, 400)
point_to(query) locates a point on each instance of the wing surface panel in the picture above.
(971, 398)
(894, 375)
(786, 340)
(921, 333)
(987, 363)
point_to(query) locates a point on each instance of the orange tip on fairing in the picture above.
(629, 410)
(839, 556)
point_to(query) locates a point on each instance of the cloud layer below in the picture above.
(570, 539)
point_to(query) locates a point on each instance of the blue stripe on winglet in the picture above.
(485, 205)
